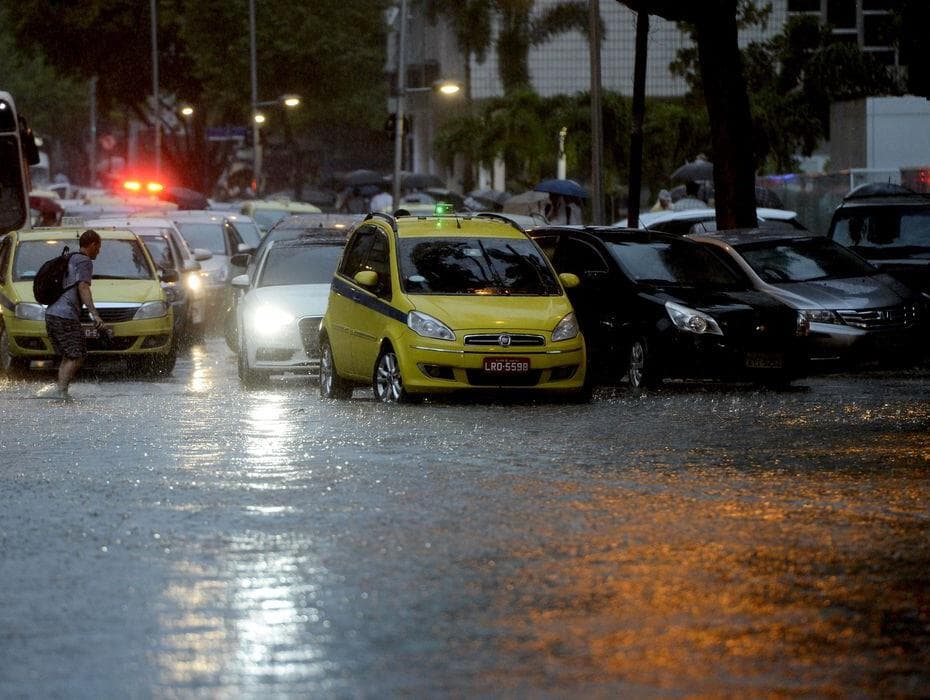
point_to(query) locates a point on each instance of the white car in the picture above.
(705, 220)
(278, 317)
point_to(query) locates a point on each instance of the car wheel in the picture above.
(10, 366)
(230, 331)
(388, 382)
(164, 364)
(642, 372)
(332, 386)
(250, 378)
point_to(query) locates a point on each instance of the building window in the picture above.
(804, 6)
(841, 14)
(877, 30)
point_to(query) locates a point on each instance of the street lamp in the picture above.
(289, 102)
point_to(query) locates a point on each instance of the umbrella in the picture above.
(493, 199)
(526, 203)
(696, 170)
(419, 181)
(185, 198)
(566, 188)
(357, 178)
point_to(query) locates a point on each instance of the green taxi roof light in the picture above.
(443, 208)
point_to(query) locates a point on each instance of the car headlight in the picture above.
(151, 309)
(691, 320)
(428, 327)
(30, 312)
(566, 329)
(193, 281)
(820, 316)
(268, 320)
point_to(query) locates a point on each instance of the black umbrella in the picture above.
(696, 170)
(566, 188)
(357, 178)
(420, 181)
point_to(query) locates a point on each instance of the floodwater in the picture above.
(186, 538)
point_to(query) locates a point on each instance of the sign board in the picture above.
(227, 133)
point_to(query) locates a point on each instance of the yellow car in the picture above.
(127, 293)
(437, 304)
(267, 212)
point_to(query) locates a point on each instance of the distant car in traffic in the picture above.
(267, 212)
(888, 225)
(855, 311)
(656, 305)
(705, 220)
(279, 314)
(441, 304)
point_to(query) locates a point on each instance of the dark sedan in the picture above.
(856, 312)
(656, 305)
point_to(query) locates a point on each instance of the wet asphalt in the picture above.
(188, 538)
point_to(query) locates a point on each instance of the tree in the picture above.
(723, 83)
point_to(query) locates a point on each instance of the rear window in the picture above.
(309, 264)
(482, 266)
(118, 259)
(893, 228)
(206, 235)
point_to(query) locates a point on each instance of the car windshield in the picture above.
(118, 259)
(680, 264)
(204, 235)
(803, 260)
(160, 250)
(486, 266)
(248, 232)
(266, 218)
(308, 264)
(890, 230)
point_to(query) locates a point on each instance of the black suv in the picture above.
(888, 225)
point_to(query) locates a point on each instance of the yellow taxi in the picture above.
(436, 304)
(267, 212)
(127, 292)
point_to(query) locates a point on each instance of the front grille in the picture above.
(477, 377)
(310, 334)
(118, 344)
(516, 340)
(891, 317)
(111, 314)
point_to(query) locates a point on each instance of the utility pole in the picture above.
(597, 129)
(93, 131)
(256, 136)
(401, 90)
(639, 112)
(156, 98)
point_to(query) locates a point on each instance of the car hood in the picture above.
(507, 313)
(132, 291)
(300, 299)
(716, 302)
(854, 293)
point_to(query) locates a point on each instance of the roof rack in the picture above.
(381, 215)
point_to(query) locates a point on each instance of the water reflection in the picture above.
(202, 370)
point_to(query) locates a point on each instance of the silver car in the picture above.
(856, 312)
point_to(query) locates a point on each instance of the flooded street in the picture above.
(186, 537)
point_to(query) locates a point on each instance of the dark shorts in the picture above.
(67, 337)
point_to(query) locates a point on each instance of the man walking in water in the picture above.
(63, 317)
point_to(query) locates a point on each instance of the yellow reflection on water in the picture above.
(202, 378)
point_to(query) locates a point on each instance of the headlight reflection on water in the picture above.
(202, 375)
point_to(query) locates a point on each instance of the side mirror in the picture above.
(201, 254)
(245, 248)
(240, 281)
(569, 280)
(367, 278)
(169, 276)
(191, 266)
(240, 259)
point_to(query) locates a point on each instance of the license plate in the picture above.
(765, 360)
(506, 365)
(90, 332)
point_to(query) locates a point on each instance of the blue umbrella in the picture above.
(566, 188)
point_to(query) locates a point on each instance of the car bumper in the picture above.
(688, 355)
(294, 349)
(29, 339)
(431, 368)
(843, 344)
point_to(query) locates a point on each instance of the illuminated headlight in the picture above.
(820, 316)
(268, 320)
(428, 327)
(30, 312)
(691, 320)
(151, 309)
(566, 329)
(193, 282)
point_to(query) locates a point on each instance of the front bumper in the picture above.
(295, 348)
(689, 355)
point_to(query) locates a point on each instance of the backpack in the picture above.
(48, 285)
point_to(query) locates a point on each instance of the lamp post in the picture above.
(288, 102)
(253, 70)
(156, 98)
